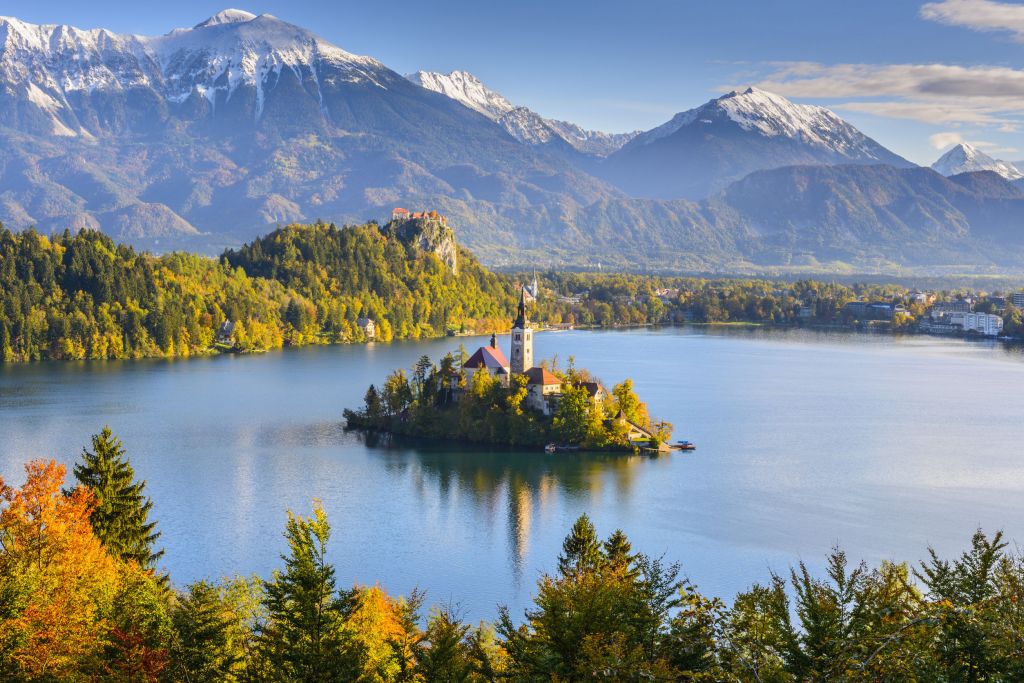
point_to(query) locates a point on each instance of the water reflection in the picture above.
(528, 485)
(806, 439)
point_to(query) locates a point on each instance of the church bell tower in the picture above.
(522, 340)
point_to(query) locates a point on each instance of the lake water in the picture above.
(805, 440)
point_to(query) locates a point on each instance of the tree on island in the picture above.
(446, 401)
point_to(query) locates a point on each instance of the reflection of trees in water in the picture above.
(527, 485)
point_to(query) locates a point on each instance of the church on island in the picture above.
(543, 388)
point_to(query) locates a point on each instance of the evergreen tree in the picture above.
(121, 518)
(201, 649)
(445, 656)
(581, 551)
(302, 640)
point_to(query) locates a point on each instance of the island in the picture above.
(486, 398)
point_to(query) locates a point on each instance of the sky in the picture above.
(916, 76)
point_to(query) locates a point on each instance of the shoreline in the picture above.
(214, 352)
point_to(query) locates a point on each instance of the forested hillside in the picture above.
(82, 296)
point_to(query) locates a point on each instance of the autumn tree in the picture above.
(68, 608)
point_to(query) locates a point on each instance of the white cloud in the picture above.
(938, 94)
(949, 138)
(944, 140)
(979, 15)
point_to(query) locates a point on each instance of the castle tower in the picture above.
(522, 340)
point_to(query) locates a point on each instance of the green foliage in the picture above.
(202, 648)
(302, 637)
(81, 296)
(121, 518)
(442, 402)
(72, 610)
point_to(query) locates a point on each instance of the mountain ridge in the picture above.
(203, 138)
(521, 122)
(699, 151)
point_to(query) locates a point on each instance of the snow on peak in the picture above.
(465, 88)
(227, 16)
(771, 115)
(965, 158)
(230, 49)
(520, 122)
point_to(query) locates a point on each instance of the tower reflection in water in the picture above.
(529, 486)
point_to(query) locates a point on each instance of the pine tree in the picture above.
(581, 551)
(201, 649)
(121, 518)
(302, 640)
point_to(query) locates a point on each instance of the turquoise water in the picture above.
(805, 440)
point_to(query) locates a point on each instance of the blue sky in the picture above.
(916, 76)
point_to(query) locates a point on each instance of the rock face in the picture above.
(702, 150)
(429, 233)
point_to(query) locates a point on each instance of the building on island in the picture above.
(368, 327)
(634, 432)
(399, 214)
(522, 339)
(595, 391)
(543, 389)
(488, 359)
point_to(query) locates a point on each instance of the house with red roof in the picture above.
(488, 359)
(543, 389)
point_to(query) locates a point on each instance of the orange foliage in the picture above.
(57, 572)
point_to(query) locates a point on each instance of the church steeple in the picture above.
(521, 322)
(522, 339)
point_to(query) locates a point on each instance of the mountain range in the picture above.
(207, 136)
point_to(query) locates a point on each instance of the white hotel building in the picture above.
(982, 323)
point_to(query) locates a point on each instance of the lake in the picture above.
(882, 445)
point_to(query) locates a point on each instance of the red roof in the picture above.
(490, 357)
(399, 210)
(541, 376)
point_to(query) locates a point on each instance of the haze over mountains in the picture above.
(205, 137)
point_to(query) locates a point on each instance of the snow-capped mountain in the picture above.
(964, 158)
(521, 122)
(207, 136)
(701, 150)
(67, 81)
